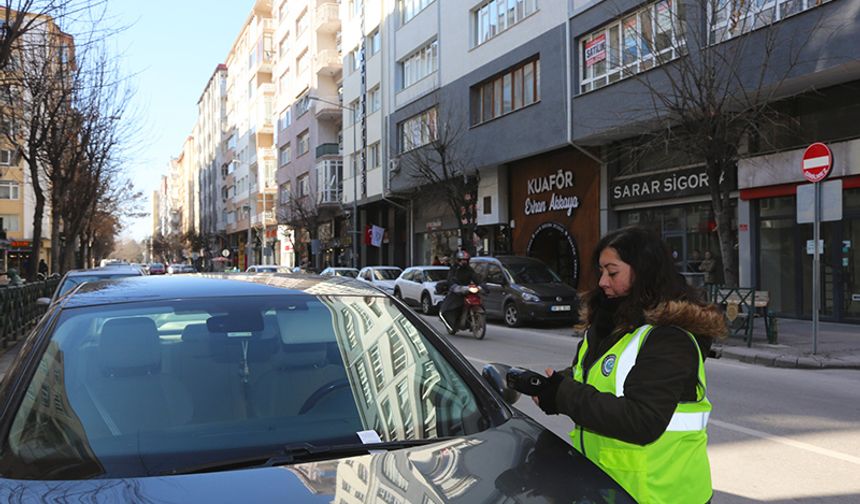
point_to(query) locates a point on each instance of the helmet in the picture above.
(462, 255)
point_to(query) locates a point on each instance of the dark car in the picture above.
(517, 289)
(249, 388)
(74, 278)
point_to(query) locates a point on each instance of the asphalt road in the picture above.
(776, 435)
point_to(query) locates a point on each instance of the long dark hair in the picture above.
(655, 278)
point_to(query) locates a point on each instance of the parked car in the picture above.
(346, 272)
(417, 286)
(178, 268)
(265, 389)
(268, 268)
(517, 289)
(380, 276)
(157, 268)
(74, 278)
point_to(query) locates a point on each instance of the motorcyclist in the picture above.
(459, 274)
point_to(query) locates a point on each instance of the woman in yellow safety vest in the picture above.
(637, 388)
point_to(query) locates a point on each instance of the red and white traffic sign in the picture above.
(817, 161)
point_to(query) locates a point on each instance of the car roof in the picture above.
(383, 267)
(506, 259)
(115, 270)
(430, 267)
(213, 285)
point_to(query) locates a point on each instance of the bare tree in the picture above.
(302, 213)
(711, 85)
(442, 166)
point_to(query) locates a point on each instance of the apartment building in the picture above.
(308, 74)
(249, 186)
(210, 133)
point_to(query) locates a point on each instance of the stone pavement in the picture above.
(838, 346)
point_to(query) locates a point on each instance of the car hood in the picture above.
(519, 460)
(549, 289)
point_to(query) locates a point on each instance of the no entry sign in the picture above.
(817, 161)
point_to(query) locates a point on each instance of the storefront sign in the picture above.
(665, 185)
(595, 50)
(558, 181)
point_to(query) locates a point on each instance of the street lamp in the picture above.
(355, 232)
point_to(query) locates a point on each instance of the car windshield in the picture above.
(531, 272)
(346, 273)
(386, 274)
(436, 275)
(160, 387)
(73, 281)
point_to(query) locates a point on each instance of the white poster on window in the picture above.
(595, 50)
(376, 234)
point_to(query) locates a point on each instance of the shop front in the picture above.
(676, 204)
(554, 208)
(780, 250)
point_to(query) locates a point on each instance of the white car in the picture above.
(344, 272)
(380, 276)
(417, 287)
(267, 268)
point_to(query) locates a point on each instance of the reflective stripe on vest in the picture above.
(683, 422)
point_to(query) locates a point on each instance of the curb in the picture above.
(769, 358)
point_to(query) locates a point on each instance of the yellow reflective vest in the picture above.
(672, 469)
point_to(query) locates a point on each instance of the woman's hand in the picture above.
(549, 372)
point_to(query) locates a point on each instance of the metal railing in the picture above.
(19, 311)
(328, 149)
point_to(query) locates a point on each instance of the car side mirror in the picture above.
(496, 375)
(43, 302)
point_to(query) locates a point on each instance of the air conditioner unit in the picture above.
(394, 165)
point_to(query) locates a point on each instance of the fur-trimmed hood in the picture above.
(702, 321)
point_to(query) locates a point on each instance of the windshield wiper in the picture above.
(305, 452)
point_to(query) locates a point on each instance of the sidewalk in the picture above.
(838, 346)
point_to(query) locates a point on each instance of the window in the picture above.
(410, 8)
(282, 10)
(304, 185)
(302, 23)
(284, 193)
(303, 104)
(5, 157)
(9, 222)
(419, 65)
(284, 46)
(282, 82)
(284, 155)
(355, 113)
(732, 18)
(374, 42)
(418, 130)
(505, 93)
(286, 118)
(9, 190)
(6, 127)
(304, 143)
(495, 16)
(302, 64)
(373, 160)
(649, 37)
(374, 100)
(354, 60)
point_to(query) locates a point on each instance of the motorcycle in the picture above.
(472, 316)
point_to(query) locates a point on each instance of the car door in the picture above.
(494, 283)
(414, 283)
(404, 283)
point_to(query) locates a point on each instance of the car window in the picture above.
(527, 272)
(152, 388)
(366, 275)
(480, 270)
(435, 275)
(348, 273)
(494, 274)
(408, 275)
(386, 274)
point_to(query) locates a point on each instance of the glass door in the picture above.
(677, 243)
(849, 263)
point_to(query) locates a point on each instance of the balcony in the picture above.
(327, 110)
(328, 63)
(328, 149)
(329, 181)
(327, 19)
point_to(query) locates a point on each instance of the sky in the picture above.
(170, 50)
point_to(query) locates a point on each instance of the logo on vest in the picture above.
(607, 365)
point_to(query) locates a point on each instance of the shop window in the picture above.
(488, 205)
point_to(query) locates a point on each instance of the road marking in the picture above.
(787, 441)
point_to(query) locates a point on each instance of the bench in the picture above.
(741, 306)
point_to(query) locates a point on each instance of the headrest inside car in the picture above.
(129, 346)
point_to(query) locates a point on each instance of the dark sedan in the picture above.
(517, 289)
(249, 388)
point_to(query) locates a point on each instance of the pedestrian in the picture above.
(637, 388)
(436, 261)
(708, 266)
(43, 268)
(15, 279)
